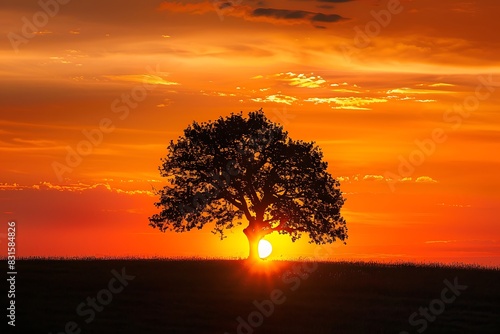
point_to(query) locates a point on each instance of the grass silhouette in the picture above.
(208, 296)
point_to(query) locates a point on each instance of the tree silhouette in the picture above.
(235, 167)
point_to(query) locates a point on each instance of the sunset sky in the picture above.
(405, 109)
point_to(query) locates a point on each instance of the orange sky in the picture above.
(133, 74)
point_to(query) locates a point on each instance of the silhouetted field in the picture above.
(210, 296)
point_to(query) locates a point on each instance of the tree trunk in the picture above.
(253, 243)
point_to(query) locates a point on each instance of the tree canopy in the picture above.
(221, 171)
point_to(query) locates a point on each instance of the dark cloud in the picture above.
(280, 13)
(285, 14)
(225, 5)
(320, 17)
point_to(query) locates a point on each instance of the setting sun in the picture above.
(265, 249)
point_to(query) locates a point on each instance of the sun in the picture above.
(265, 248)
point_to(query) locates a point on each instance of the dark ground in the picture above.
(209, 296)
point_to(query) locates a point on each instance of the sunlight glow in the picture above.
(265, 248)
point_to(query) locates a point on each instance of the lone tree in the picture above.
(223, 170)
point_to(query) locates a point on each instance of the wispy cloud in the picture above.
(142, 78)
(74, 188)
(277, 98)
(381, 178)
(425, 179)
(301, 80)
(355, 103)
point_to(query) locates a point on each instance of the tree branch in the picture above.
(232, 200)
(282, 227)
(244, 208)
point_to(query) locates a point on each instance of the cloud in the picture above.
(373, 178)
(25, 145)
(300, 80)
(277, 98)
(425, 179)
(381, 178)
(221, 94)
(296, 15)
(466, 8)
(265, 14)
(284, 14)
(456, 205)
(342, 94)
(441, 84)
(73, 188)
(142, 78)
(352, 103)
(426, 101)
(406, 90)
(35, 142)
(320, 17)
